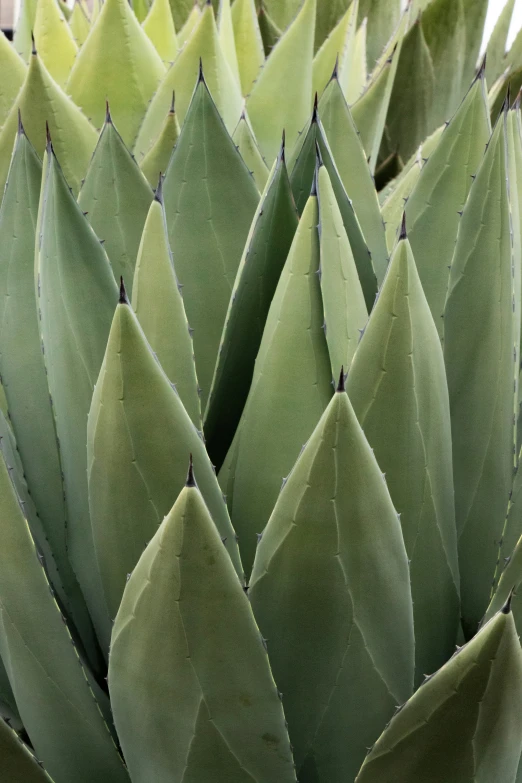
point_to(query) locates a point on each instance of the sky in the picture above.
(495, 7)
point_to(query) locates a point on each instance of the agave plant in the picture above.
(260, 425)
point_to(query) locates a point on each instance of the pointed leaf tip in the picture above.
(123, 293)
(158, 193)
(318, 156)
(33, 45)
(21, 131)
(48, 141)
(404, 233)
(314, 113)
(108, 118)
(173, 104)
(282, 150)
(191, 481)
(201, 77)
(335, 72)
(340, 385)
(506, 609)
(482, 67)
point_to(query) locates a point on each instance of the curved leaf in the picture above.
(17, 763)
(208, 221)
(182, 603)
(41, 101)
(246, 143)
(280, 98)
(336, 52)
(190, 24)
(77, 292)
(159, 26)
(323, 586)
(157, 158)
(117, 63)
(23, 29)
(464, 724)
(264, 256)
(478, 351)
(383, 19)
(249, 44)
(55, 695)
(158, 304)
(397, 385)
(116, 198)
(54, 40)
(13, 76)
(496, 51)
(202, 51)
(290, 387)
(226, 36)
(79, 23)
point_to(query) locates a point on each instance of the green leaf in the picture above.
(79, 23)
(383, 19)
(55, 41)
(23, 374)
(434, 207)
(393, 207)
(190, 23)
(203, 49)
(23, 29)
(41, 101)
(56, 696)
(370, 111)
(138, 438)
(158, 304)
(246, 143)
(302, 166)
(249, 44)
(17, 763)
(327, 17)
(159, 26)
(290, 388)
(280, 98)
(359, 77)
(345, 312)
(118, 63)
(141, 8)
(226, 36)
(348, 153)
(282, 12)
(270, 32)
(182, 10)
(267, 246)
(464, 723)
(337, 52)
(208, 220)
(157, 158)
(13, 76)
(496, 51)
(322, 586)
(397, 385)
(77, 294)
(182, 603)
(116, 198)
(478, 351)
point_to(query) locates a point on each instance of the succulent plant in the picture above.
(260, 398)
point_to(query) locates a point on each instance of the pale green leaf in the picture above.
(157, 158)
(249, 44)
(13, 75)
(54, 40)
(226, 36)
(246, 143)
(159, 26)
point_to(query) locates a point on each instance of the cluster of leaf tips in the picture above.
(229, 229)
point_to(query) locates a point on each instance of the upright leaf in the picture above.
(270, 32)
(350, 159)
(181, 11)
(56, 697)
(189, 25)
(249, 44)
(157, 158)
(138, 438)
(282, 12)
(226, 36)
(320, 577)
(478, 351)
(264, 256)
(290, 388)
(327, 17)
(345, 312)
(24, 28)
(392, 208)
(182, 603)
(118, 63)
(41, 101)
(397, 385)
(116, 198)
(22, 369)
(54, 40)
(246, 143)
(159, 26)
(280, 98)
(208, 221)
(383, 19)
(158, 304)
(464, 723)
(496, 51)
(302, 166)
(77, 292)
(13, 75)
(434, 207)
(202, 51)
(337, 52)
